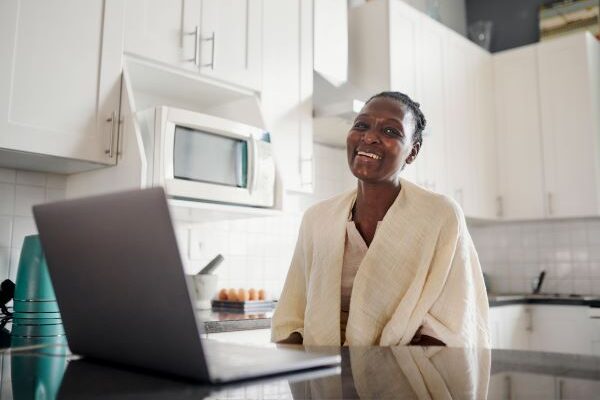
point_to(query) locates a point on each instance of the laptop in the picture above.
(124, 298)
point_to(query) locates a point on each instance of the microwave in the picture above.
(201, 157)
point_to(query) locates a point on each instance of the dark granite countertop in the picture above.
(222, 321)
(365, 373)
(496, 299)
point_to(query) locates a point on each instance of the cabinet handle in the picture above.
(550, 208)
(529, 327)
(196, 58)
(500, 207)
(508, 385)
(212, 52)
(112, 119)
(561, 387)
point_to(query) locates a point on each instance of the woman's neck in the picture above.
(372, 203)
(374, 200)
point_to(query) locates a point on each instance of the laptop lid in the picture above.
(119, 281)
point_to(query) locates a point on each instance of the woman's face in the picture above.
(380, 142)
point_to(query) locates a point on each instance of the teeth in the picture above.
(374, 156)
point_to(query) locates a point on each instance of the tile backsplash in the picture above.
(19, 191)
(513, 254)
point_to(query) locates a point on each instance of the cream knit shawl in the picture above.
(420, 267)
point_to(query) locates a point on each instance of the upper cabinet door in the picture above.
(162, 30)
(220, 39)
(568, 76)
(60, 69)
(458, 100)
(230, 43)
(518, 134)
(431, 161)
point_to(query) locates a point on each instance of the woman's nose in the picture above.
(370, 136)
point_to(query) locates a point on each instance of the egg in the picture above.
(252, 295)
(223, 294)
(242, 295)
(232, 295)
(262, 294)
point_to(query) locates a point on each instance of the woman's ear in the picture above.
(414, 152)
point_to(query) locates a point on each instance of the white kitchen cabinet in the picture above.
(561, 329)
(524, 385)
(518, 134)
(155, 29)
(540, 327)
(569, 74)
(220, 39)
(458, 97)
(60, 74)
(510, 327)
(480, 125)
(257, 337)
(286, 96)
(431, 162)
(572, 388)
(331, 40)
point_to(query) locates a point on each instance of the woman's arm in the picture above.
(288, 318)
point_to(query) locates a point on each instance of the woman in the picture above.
(389, 263)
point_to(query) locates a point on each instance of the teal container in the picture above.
(33, 290)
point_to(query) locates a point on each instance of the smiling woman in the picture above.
(388, 263)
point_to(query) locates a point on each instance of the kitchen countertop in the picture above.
(219, 321)
(365, 372)
(496, 299)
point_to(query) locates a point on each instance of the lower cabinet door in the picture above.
(571, 388)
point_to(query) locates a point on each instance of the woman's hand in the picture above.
(294, 338)
(424, 340)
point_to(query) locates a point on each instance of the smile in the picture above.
(371, 155)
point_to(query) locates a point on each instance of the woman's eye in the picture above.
(392, 132)
(360, 125)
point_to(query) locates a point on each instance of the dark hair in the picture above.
(413, 106)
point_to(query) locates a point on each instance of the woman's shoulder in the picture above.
(330, 206)
(438, 204)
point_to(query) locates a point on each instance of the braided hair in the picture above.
(413, 106)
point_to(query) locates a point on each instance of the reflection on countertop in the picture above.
(365, 373)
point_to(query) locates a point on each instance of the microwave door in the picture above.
(242, 164)
(253, 161)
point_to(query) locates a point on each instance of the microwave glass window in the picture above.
(208, 157)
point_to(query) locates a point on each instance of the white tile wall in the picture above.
(512, 254)
(258, 251)
(19, 191)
